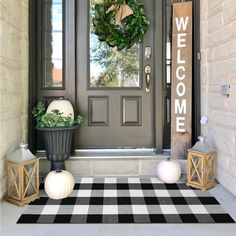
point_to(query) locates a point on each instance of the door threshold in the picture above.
(122, 153)
(138, 153)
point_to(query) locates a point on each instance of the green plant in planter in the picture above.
(57, 130)
(54, 118)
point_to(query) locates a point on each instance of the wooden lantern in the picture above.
(23, 177)
(201, 165)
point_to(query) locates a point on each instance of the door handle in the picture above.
(147, 71)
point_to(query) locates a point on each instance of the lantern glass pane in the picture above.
(29, 179)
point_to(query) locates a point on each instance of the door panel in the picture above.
(98, 111)
(115, 116)
(131, 110)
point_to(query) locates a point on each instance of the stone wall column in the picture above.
(218, 67)
(13, 80)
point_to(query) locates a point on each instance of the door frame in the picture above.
(159, 58)
(158, 75)
(36, 76)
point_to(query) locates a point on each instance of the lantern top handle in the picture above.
(202, 138)
(23, 146)
(202, 145)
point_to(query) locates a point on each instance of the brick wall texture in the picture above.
(218, 48)
(13, 80)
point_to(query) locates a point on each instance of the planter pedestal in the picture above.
(58, 142)
(57, 165)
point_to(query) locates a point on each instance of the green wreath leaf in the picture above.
(133, 27)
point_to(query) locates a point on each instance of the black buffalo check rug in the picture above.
(126, 200)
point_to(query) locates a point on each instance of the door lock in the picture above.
(148, 52)
(147, 71)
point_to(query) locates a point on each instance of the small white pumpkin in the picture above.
(63, 106)
(59, 184)
(169, 171)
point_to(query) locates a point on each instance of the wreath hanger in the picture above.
(122, 11)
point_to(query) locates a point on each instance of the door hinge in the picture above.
(199, 56)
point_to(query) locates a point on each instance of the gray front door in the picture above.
(113, 91)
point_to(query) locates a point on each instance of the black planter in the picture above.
(58, 142)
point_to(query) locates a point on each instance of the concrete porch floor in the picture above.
(10, 214)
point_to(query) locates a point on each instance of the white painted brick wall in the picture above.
(13, 80)
(218, 47)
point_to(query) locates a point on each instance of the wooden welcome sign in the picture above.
(181, 86)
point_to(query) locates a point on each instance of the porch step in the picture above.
(109, 163)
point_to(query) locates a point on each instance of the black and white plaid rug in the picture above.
(127, 200)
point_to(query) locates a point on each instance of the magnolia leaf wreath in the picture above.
(120, 23)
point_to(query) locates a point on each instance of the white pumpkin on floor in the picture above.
(63, 106)
(169, 171)
(59, 184)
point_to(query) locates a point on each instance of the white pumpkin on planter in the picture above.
(169, 171)
(63, 106)
(59, 184)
